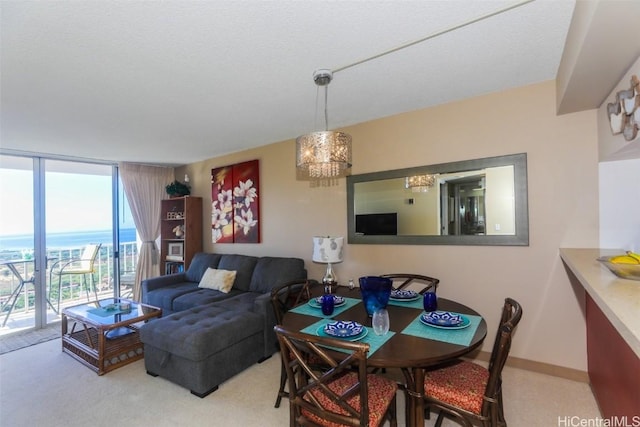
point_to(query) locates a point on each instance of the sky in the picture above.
(74, 202)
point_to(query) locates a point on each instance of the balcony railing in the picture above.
(72, 290)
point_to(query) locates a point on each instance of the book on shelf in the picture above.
(174, 258)
(173, 267)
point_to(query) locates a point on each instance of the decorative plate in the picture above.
(404, 295)
(321, 333)
(343, 329)
(444, 319)
(317, 302)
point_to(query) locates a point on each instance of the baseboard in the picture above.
(539, 367)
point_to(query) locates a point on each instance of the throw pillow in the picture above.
(221, 280)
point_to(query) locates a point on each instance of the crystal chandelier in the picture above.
(326, 155)
(322, 157)
(420, 183)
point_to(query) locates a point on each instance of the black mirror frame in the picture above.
(521, 237)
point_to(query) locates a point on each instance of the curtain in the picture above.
(144, 187)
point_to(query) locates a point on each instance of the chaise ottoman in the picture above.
(202, 347)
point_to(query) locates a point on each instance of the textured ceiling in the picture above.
(176, 82)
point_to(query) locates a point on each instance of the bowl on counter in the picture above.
(624, 271)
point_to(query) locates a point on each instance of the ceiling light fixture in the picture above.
(323, 156)
(420, 183)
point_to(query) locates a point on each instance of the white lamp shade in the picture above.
(328, 249)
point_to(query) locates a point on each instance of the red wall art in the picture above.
(235, 207)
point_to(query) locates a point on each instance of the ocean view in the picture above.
(66, 240)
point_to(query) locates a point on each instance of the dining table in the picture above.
(411, 345)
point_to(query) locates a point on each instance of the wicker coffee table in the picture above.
(103, 335)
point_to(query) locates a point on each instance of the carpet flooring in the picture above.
(28, 338)
(42, 386)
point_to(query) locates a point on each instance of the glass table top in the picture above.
(110, 311)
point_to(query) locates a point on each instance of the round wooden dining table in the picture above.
(410, 353)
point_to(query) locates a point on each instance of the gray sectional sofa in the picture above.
(206, 336)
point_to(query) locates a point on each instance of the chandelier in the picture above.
(420, 183)
(323, 156)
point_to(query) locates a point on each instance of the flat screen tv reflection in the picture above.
(378, 224)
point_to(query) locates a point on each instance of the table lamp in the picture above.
(328, 250)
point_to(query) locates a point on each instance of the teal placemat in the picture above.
(412, 304)
(308, 310)
(106, 313)
(374, 341)
(453, 336)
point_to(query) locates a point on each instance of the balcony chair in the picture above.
(415, 282)
(78, 266)
(469, 392)
(342, 392)
(284, 298)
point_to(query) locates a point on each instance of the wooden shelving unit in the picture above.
(177, 251)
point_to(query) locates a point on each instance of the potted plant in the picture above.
(177, 189)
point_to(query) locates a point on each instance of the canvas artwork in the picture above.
(234, 203)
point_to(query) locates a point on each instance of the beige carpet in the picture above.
(41, 386)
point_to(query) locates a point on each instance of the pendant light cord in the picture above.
(431, 36)
(326, 103)
(326, 112)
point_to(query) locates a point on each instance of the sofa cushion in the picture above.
(197, 333)
(164, 297)
(201, 296)
(199, 264)
(272, 271)
(220, 280)
(244, 301)
(243, 265)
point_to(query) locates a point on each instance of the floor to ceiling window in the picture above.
(59, 225)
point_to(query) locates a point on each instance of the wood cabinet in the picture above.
(614, 369)
(180, 233)
(613, 333)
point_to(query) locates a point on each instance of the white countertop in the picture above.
(619, 299)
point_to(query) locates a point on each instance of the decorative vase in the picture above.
(375, 292)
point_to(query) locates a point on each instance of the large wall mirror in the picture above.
(471, 202)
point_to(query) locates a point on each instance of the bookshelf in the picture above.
(180, 233)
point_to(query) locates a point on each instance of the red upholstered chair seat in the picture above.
(381, 392)
(462, 385)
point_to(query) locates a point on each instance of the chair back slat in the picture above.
(311, 389)
(511, 315)
(417, 282)
(89, 255)
(289, 295)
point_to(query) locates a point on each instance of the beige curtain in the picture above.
(144, 187)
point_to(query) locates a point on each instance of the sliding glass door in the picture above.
(17, 250)
(61, 238)
(79, 233)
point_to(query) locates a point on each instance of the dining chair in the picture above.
(470, 392)
(284, 298)
(343, 392)
(417, 282)
(78, 266)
